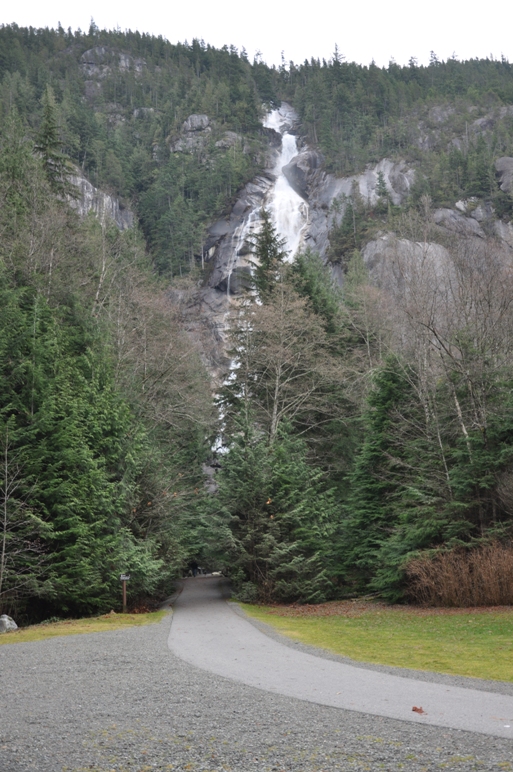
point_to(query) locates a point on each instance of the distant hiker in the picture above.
(194, 567)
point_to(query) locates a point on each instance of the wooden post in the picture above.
(124, 579)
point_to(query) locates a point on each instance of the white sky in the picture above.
(376, 29)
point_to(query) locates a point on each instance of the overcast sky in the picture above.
(363, 31)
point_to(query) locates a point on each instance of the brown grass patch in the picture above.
(463, 578)
(352, 609)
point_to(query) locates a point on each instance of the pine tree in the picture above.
(269, 252)
(48, 143)
(373, 484)
(272, 521)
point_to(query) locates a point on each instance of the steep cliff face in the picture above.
(104, 206)
(226, 246)
(307, 175)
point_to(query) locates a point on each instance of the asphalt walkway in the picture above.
(208, 633)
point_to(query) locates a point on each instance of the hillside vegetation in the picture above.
(367, 429)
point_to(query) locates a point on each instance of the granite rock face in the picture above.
(105, 206)
(387, 256)
(225, 245)
(458, 223)
(504, 169)
(195, 123)
(307, 176)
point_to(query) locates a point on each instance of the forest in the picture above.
(363, 443)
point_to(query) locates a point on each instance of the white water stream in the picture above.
(288, 210)
(289, 214)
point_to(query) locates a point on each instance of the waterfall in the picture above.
(289, 212)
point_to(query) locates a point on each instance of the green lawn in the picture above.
(477, 643)
(79, 626)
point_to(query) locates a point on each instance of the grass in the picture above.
(467, 642)
(80, 626)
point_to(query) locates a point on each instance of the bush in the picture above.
(478, 577)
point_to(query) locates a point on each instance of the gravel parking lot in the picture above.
(121, 700)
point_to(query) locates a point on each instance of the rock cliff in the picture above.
(307, 176)
(104, 206)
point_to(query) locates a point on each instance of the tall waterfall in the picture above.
(288, 210)
(289, 214)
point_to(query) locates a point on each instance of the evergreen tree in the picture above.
(271, 522)
(269, 252)
(373, 484)
(48, 143)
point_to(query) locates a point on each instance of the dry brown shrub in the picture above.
(478, 577)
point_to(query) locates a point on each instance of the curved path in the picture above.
(207, 633)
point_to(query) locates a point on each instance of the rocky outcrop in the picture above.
(388, 259)
(504, 169)
(7, 623)
(228, 140)
(195, 123)
(307, 176)
(227, 243)
(458, 223)
(196, 131)
(104, 206)
(99, 61)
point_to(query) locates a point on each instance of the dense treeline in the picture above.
(358, 114)
(104, 406)
(366, 432)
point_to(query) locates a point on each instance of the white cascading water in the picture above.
(289, 214)
(288, 210)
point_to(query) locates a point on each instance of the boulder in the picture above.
(7, 623)
(301, 171)
(195, 123)
(504, 169)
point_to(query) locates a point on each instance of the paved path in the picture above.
(207, 633)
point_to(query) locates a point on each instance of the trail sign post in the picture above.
(124, 579)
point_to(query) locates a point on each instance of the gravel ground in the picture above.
(120, 701)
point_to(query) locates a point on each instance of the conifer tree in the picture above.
(48, 143)
(269, 252)
(272, 520)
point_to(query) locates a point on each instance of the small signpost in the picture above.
(124, 579)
